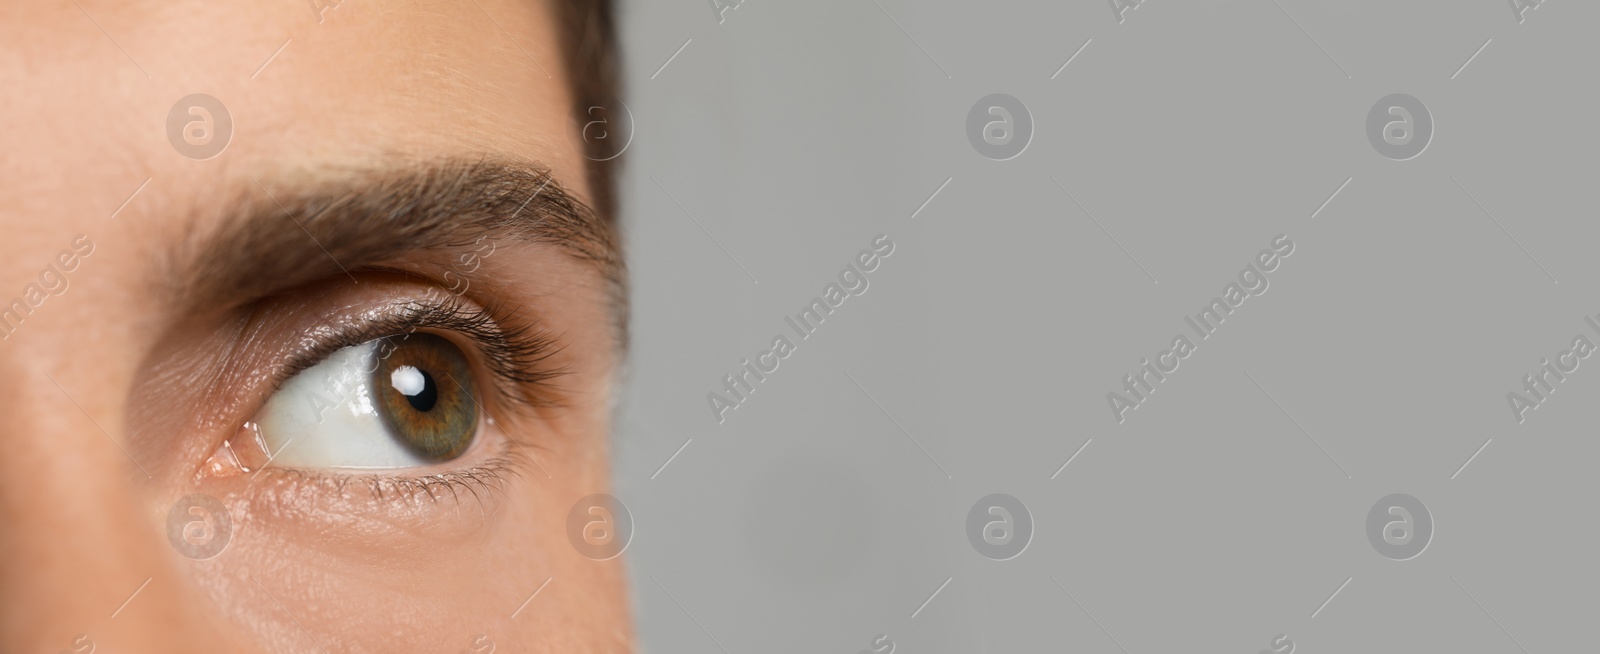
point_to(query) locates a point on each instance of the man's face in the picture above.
(308, 334)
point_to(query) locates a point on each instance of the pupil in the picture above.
(417, 386)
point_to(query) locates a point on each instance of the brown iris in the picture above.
(425, 395)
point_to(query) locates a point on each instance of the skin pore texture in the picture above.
(136, 384)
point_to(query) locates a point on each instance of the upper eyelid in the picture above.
(516, 354)
(458, 266)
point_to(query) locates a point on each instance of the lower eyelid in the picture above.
(336, 511)
(393, 499)
(478, 477)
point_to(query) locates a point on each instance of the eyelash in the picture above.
(518, 355)
(487, 478)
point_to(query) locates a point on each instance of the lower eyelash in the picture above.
(482, 481)
(489, 478)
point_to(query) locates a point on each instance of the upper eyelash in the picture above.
(519, 354)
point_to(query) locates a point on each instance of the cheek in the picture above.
(509, 572)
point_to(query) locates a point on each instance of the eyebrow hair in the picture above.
(353, 219)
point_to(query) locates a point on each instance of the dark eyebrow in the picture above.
(280, 234)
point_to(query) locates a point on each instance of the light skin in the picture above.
(135, 381)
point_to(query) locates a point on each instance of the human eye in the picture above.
(393, 402)
(405, 392)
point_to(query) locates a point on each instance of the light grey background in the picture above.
(813, 519)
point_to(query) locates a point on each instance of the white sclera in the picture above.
(326, 416)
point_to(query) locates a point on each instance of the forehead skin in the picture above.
(88, 87)
(372, 80)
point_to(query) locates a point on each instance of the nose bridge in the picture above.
(81, 564)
